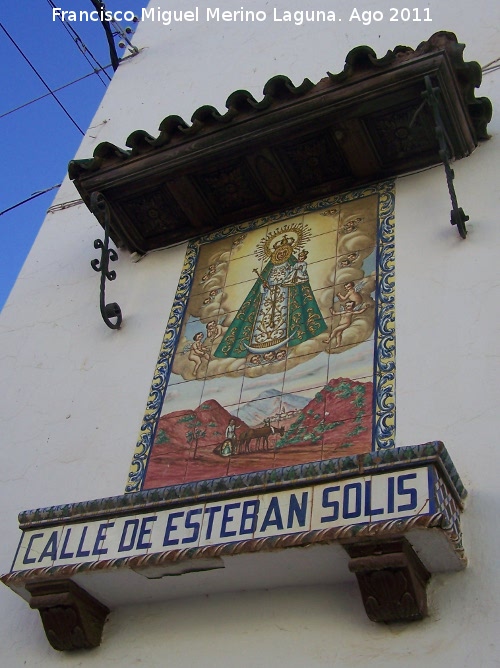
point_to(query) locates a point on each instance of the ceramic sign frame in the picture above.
(280, 346)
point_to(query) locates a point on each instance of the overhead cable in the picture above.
(28, 199)
(51, 92)
(55, 90)
(82, 47)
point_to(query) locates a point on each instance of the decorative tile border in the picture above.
(388, 499)
(218, 488)
(347, 534)
(384, 352)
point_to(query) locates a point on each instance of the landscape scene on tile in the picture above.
(274, 363)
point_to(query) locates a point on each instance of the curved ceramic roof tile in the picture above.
(279, 89)
(169, 127)
(139, 140)
(241, 100)
(361, 59)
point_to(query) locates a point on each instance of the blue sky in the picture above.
(39, 140)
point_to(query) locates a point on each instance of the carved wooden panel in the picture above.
(365, 124)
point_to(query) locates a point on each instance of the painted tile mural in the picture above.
(279, 349)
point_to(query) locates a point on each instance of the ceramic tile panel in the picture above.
(202, 467)
(58, 546)
(305, 373)
(214, 389)
(399, 495)
(37, 548)
(82, 544)
(375, 498)
(277, 322)
(446, 504)
(301, 504)
(177, 529)
(127, 535)
(284, 512)
(339, 503)
(180, 395)
(354, 363)
(254, 384)
(229, 521)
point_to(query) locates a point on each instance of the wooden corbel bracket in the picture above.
(71, 618)
(392, 580)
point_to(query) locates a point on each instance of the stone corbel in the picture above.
(392, 580)
(71, 618)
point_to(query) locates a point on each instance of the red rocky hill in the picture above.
(341, 410)
(209, 422)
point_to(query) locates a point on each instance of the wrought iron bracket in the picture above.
(112, 311)
(431, 96)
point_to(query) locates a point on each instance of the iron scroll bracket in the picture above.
(111, 313)
(431, 96)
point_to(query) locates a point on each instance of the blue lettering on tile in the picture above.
(129, 524)
(27, 559)
(296, 510)
(211, 514)
(411, 492)
(326, 502)
(273, 515)
(250, 513)
(80, 551)
(50, 549)
(226, 518)
(172, 527)
(195, 526)
(348, 513)
(101, 537)
(64, 554)
(145, 530)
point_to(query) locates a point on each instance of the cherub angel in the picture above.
(198, 352)
(214, 329)
(212, 268)
(347, 313)
(348, 259)
(211, 296)
(353, 292)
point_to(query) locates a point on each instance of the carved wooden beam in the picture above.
(297, 144)
(392, 580)
(72, 618)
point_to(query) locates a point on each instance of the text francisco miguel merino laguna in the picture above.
(241, 15)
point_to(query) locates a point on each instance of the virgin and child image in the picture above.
(274, 363)
(280, 310)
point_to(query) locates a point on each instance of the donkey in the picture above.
(261, 436)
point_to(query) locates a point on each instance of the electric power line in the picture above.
(82, 47)
(51, 92)
(28, 199)
(56, 90)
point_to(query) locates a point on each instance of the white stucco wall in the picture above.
(74, 392)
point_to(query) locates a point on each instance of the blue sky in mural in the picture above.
(38, 136)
